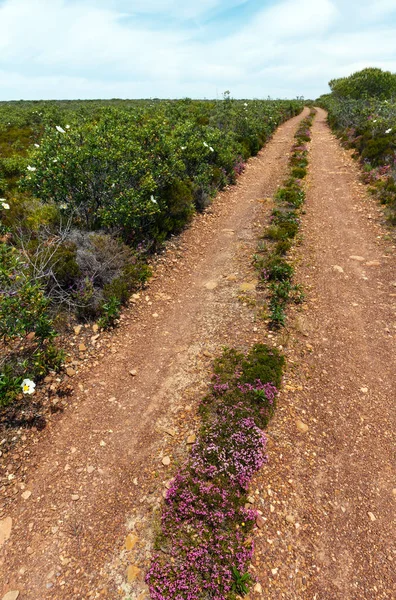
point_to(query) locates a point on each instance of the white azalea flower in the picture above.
(183, 147)
(206, 145)
(211, 149)
(153, 199)
(5, 205)
(388, 130)
(29, 168)
(67, 126)
(28, 386)
(55, 160)
(60, 129)
(37, 145)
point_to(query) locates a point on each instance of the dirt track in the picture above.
(332, 488)
(327, 494)
(94, 465)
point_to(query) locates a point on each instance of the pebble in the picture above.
(211, 285)
(372, 517)
(132, 572)
(166, 461)
(70, 372)
(131, 541)
(290, 519)
(301, 426)
(26, 495)
(133, 372)
(191, 439)
(257, 588)
(75, 497)
(358, 258)
(11, 595)
(247, 287)
(260, 522)
(77, 329)
(82, 347)
(5, 530)
(338, 269)
(90, 469)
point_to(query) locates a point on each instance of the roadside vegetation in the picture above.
(88, 191)
(204, 545)
(271, 259)
(362, 112)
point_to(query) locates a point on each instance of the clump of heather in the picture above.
(205, 523)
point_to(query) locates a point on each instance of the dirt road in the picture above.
(329, 492)
(91, 467)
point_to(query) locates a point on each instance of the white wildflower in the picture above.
(28, 386)
(211, 149)
(206, 145)
(375, 120)
(63, 206)
(29, 168)
(67, 126)
(388, 130)
(183, 147)
(60, 129)
(4, 204)
(245, 104)
(37, 145)
(153, 199)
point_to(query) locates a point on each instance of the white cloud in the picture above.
(87, 48)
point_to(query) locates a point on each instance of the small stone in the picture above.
(250, 499)
(29, 550)
(257, 588)
(131, 541)
(338, 269)
(70, 372)
(191, 439)
(95, 328)
(26, 495)
(132, 572)
(170, 431)
(301, 426)
(373, 263)
(11, 595)
(260, 522)
(247, 287)
(82, 347)
(166, 461)
(133, 372)
(77, 329)
(75, 497)
(231, 278)
(372, 517)
(358, 258)
(135, 481)
(364, 390)
(102, 443)
(290, 519)
(274, 571)
(211, 285)
(5, 530)
(155, 315)
(90, 469)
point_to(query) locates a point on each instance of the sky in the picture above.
(68, 49)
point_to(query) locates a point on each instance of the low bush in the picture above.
(203, 549)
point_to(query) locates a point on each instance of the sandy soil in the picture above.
(87, 471)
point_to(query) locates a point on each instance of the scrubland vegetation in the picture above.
(362, 111)
(88, 191)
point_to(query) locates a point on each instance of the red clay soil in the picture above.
(328, 495)
(89, 468)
